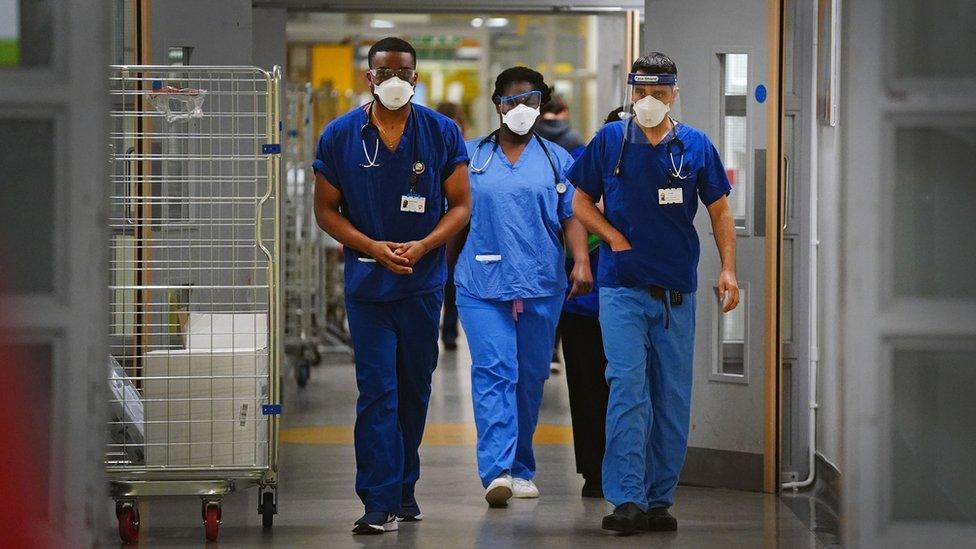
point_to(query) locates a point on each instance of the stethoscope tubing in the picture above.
(493, 137)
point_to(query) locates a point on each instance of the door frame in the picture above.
(773, 336)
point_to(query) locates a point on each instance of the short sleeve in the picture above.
(566, 199)
(586, 174)
(457, 152)
(713, 182)
(324, 162)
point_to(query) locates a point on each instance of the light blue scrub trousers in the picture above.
(650, 350)
(510, 365)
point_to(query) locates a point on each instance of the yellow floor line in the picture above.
(436, 434)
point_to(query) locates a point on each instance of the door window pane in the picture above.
(27, 209)
(787, 319)
(25, 33)
(934, 198)
(934, 421)
(735, 129)
(935, 40)
(732, 338)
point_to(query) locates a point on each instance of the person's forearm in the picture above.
(576, 240)
(724, 229)
(455, 244)
(594, 221)
(341, 229)
(450, 224)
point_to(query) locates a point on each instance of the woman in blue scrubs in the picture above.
(511, 281)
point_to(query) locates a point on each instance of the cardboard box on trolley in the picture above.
(203, 403)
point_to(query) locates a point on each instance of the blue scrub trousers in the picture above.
(510, 365)
(395, 343)
(649, 371)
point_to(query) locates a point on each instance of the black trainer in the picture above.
(592, 488)
(375, 523)
(659, 519)
(409, 511)
(626, 519)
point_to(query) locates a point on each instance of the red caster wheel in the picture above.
(211, 520)
(128, 517)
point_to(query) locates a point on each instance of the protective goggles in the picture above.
(383, 74)
(531, 99)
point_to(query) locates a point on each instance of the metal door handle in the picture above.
(129, 191)
(786, 209)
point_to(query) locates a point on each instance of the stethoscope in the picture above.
(493, 136)
(417, 167)
(675, 141)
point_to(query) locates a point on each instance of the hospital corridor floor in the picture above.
(317, 504)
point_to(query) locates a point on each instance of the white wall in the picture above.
(218, 30)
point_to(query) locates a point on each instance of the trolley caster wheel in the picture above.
(268, 509)
(211, 520)
(302, 373)
(128, 517)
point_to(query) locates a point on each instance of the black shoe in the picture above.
(659, 519)
(593, 488)
(626, 519)
(375, 523)
(409, 511)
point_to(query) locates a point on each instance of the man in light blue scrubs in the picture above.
(650, 171)
(511, 281)
(383, 174)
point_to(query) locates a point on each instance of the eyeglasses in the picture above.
(531, 99)
(383, 74)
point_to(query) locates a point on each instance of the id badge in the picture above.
(413, 203)
(670, 196)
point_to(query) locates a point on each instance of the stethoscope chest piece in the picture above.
(561, 187)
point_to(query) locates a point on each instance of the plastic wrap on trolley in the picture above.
(127, 422)
(195, 268)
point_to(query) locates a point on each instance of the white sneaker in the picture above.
(499, 491)
(522, 488)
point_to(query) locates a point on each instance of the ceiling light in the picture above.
(496, 22)
(477, 22)
(381, 24)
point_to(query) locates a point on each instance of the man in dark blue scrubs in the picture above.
(383, 175)
(651, 172)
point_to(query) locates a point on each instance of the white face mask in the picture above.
(520, 119)
(650, 111)
(394, 93)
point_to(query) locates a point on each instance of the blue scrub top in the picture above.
(371, 196)
(665, 244)
(514, 247)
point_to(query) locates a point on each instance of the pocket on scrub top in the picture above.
(626, 263)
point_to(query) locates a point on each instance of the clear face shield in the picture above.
(646, 105)
(647, 101)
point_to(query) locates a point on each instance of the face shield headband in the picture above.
(662, 79)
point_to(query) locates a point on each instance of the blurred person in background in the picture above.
(586, 366)
(555, 126)
(449, 324)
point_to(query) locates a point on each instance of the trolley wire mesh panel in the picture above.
(194, 274)
(306, 246)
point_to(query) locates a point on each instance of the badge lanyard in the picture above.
(410, 202)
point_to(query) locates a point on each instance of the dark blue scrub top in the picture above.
(371, 196)
(665, 244)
